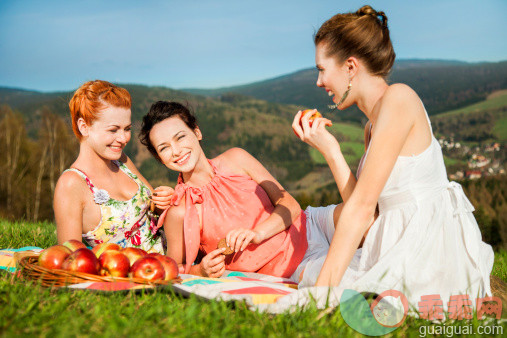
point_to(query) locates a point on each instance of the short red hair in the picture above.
(93, 96)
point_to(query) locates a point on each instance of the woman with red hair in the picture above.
(103, 197)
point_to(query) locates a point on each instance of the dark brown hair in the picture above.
(160, 111)
(363, 34)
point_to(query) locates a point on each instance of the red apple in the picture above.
(169, 264)
(74, 244)
(148, 268)
(114, 263)
(170, 267)
(315, 115)
(99, 249)
(82, 260)
(312, 117)
(133, 254)
(53, 257)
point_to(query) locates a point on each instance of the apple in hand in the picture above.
(74, 244)
(133, 254)
(114, 263)
(99, 249)
(169, 264)
(82, 260)
(53, 257)
(148, 268)
(314, 115)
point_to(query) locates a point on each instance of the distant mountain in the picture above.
(442, 85)
(421, 63)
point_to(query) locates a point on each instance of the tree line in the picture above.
(30, 167)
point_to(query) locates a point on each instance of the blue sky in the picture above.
(57, 45)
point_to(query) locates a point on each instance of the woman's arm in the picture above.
(212, 265)
(286, 210)
(396, 119)
(68, 205)
(173, 229)
(319, 138)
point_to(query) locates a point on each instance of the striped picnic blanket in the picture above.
(260, 292)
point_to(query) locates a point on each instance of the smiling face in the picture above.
(176, 144)
(333, 77)
(109, 133)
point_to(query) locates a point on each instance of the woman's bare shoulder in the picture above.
(71, 185)
(233, 159)
(401, 101)
(70, 180)
(400, 88)
(401, 95)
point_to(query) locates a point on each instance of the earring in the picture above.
(343, 97)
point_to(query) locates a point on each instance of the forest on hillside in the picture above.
(441, 85)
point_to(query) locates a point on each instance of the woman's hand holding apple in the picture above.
(213, 264)
(315, 134)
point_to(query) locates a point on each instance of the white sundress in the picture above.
(425, 240)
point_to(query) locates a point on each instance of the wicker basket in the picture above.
(31, 270)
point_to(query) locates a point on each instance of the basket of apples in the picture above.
(73, 263)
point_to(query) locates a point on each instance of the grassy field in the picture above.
(448, 161)
(352, 151)
(500, 129)
(495, 100)
(350, 131)
(31, 310)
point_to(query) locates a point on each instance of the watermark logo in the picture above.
(389, 310)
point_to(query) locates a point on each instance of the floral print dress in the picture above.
(125, 223)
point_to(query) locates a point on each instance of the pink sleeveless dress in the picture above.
(230, 201)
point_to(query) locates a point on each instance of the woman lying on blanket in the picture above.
(231, 196)
(103, 197)
(425, 239)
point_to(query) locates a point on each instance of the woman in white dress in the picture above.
(424, 239)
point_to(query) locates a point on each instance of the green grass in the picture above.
(492, 103)
(500, 265)
(448, 161)
(30, 310)
(352, 151)
(500, 129)
(350, 131)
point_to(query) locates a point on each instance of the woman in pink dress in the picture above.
(231, 196)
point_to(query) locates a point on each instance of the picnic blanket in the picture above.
(260, 292)
(7, 261)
